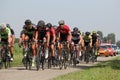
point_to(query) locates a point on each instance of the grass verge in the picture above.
(17, 56)
(107, 70)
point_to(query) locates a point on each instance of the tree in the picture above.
(118, 43)
(111, 38)
(105, 40)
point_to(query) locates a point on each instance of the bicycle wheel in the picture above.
(7, 62)
(74, 59)
(60, 63)
(30, 60)
(26, 63)
(87, 54)
(65, 60)
(38, 59)
(49, 62)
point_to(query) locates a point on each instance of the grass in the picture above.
(107, 70)
(17, 56)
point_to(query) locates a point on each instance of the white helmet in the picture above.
(2, 25)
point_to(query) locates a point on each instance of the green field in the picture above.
(108, 70)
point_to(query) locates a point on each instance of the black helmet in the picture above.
(49, 25)
(87, 33)
(28, 22)
(8, 25)
(75, 29)
(41, 23)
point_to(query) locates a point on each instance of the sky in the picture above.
(87, 15)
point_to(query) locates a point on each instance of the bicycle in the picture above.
(39, 56)
(63, 56)
(74, 53)
(5, 55)
(87, 53)
(41, 53)
(27, 59)
(94, 54)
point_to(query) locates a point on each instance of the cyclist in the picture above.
(87, 39)
(77, 41)
(28, 34)
(43, 35)
(5, 35)
(64, 34)
(87, 42)
(95, 43)
(12, 42)
(52, 40)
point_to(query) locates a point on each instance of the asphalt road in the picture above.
(19, 73)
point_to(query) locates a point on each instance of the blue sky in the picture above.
(88, 15)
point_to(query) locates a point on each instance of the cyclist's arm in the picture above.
(81, 42)
(69, 33)
(36, 36)
(13, 36)
(57, 34)
(9, 35)
(54, 35)
(48, 37)
(69, 36)
(91, 42)
(97, 43)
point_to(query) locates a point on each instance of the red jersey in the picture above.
(65, 30)
(52, 32)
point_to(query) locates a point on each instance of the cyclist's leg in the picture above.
(45, 50)
(68, 50)
(12, 48)
(77, 55)
(72, 49)
(59, 50)
(53, 52)
(33, 52)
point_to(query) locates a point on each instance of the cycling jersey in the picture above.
(63, 32)
(4, 35)
(94, 39)
(52, 34)
(75, 37)
(29, 32)
(87, 40)
(42, 32)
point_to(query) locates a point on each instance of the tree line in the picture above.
(110, 38)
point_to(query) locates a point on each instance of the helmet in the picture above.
(41, 23)
(8, 25)
(28, 22)
(75, 29)
(2, 25)
(61, 22)
(49, 25)
(87, 33)
(93, 32)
